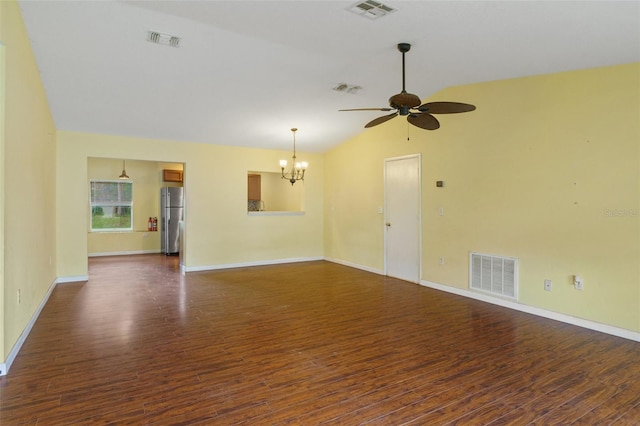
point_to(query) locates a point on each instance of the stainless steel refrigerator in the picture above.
(171, 207)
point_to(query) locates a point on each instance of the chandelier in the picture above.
(297, 168)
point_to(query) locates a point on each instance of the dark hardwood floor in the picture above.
(304, 344)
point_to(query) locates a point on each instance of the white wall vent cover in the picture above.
(164, 39)
(371, 9)
(494, 275)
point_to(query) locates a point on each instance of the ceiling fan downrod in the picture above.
(404, 101)
(403, 48)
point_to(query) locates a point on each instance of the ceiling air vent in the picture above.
(371, 9)
(165, 39)
(347, 88)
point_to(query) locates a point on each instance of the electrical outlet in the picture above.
(18, 296)
(547, 285)
(578, 282)
(441, 261)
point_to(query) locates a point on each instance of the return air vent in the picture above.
(165, 39)
(493, 274)
(371, 9)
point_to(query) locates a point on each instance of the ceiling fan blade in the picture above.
(380, 120)
(445, 107)
(424, 121)
(367, 109)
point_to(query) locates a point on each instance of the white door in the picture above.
(402, 217)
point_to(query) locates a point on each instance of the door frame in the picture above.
(417, 156)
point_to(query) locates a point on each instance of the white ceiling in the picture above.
(248, 71)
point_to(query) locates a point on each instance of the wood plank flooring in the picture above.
(304, 344)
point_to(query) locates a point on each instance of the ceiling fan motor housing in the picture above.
(404, 47)
(403, 102)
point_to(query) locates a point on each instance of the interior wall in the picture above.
(219, 231)
(28, 164)
(545, 170)
(2, 143)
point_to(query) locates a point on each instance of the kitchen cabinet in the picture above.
(254, 192)
(172, 175)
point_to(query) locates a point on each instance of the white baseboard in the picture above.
(591, 325)
(247, 264)
(72, 279)
(4, 367)
(355, 265)
(122, 253)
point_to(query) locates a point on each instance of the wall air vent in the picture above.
(164, 39)
(494, 275)
(371, 9)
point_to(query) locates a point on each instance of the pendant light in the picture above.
(124, 172)
(297, 168)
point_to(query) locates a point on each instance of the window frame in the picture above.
(116, 203)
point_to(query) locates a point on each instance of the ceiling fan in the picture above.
(409, 104)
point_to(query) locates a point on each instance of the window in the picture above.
(111, 205)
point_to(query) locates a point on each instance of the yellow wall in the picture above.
(28, 161)
(218, 229)
(2, 180)
(545, 170)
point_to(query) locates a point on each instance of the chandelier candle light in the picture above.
(297, 168)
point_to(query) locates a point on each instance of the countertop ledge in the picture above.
(275, 213)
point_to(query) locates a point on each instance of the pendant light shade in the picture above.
(123, 175)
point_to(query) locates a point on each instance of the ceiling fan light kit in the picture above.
(408, 104)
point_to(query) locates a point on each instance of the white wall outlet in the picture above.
(380, 210)
(578, 282)
(547, 285)
(18, 296)
(441, 261)
(441, 211)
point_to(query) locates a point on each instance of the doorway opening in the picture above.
(146, 178)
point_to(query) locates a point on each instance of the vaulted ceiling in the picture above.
(245, 72)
